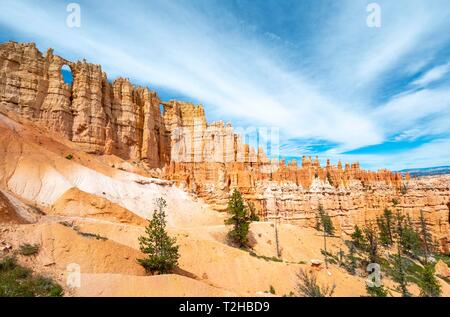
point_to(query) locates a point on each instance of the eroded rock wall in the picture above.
(102, 117)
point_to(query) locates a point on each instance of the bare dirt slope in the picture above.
(8, 213)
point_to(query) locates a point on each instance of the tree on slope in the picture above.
(308, 286)
(385, 228)
(428, 284)
(161, 249)
(376, 291)
(399, 273)
(352, 261)
(358, 239)
(239, 219)
(324, 222)
(427, 240)
(410, 241)
(372, 240)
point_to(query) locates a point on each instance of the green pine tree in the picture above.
(428, 284)
(325, 223)
(410, 241)
(399, 225)
(383, 232)
(372, 247)
(395, 201)
(358, 239)
(427, 240)
(388, 218)
(352, 261)
(399, 274)
(376, 291)
(239, 219)
(161, 249)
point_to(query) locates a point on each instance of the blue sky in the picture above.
(313, 69)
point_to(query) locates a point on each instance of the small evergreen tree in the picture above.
(239, 219)
(358, 239)
(399, 226)
(385, 228)
(161, 249)
(372, 239)
(399, 275)
(427, 240)
(383, 232)
(410, 241)
(395, 201)
(428, 284)
(376, 291)
(351, 260)
(325, 223)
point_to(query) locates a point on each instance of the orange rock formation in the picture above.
(207, 159)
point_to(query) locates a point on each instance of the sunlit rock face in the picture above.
(100, 116)
(207, 159)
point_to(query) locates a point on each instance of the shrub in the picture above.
(376, 291)
(18, 281)
(308, 286)
(69, 157)
(28, 249)
(91, 235)
(358, 239)
(372, 239)
(403, 189)
(266, 258)
(272, 290)
(429, 285)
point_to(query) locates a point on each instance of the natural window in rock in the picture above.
(66, 73)
(161, 109)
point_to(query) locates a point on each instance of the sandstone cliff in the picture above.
(207, 159)
(101, 117)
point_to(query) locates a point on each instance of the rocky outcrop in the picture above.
(101, 117)
(207, 159)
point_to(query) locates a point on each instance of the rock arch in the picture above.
(67, 74)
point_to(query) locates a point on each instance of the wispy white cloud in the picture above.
(432, 75)
(409, 110)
